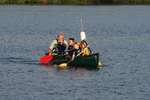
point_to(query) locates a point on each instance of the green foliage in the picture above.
(32, 1)
(75, 2)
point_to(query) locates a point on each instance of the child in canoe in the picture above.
(75, 48)
(85, 50)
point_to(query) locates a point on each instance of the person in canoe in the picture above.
(79, 49)
(70, 49)
(73, 48)
(58, 46)
(73, 51)
(85, 50)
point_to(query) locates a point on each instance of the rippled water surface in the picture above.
(121, 34)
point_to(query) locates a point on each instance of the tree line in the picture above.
(75, 2)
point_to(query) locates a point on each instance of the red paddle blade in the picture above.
(45, 59)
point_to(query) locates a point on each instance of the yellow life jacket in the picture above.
(85, 52)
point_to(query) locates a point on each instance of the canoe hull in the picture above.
(89, 62)
(59, 60)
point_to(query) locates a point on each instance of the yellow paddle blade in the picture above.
(100, 65)
(62, 66)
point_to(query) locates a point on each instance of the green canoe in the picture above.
(89, 62)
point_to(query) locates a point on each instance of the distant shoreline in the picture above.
(74, 2)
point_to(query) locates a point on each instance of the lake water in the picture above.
(121, 34)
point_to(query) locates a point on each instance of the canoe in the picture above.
(89, 62)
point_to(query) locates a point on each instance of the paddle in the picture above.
(46, 59)
(63, 66)
(82, 33)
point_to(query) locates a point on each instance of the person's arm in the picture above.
(65, 42)
(52, 46)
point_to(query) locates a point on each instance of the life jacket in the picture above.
(77, 51)
(60, 49)
(70, 50)
(86, 51)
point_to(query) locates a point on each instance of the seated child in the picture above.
(85, 50)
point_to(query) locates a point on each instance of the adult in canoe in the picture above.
(59, 45)
(73, 48)
(70, 49)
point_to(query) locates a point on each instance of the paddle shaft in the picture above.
(81, 22)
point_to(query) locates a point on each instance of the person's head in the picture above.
(76, 45)
(60, 37)
(71, 41)
(83, 44)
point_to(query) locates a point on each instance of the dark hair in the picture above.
(72, 39)
(83, 41)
